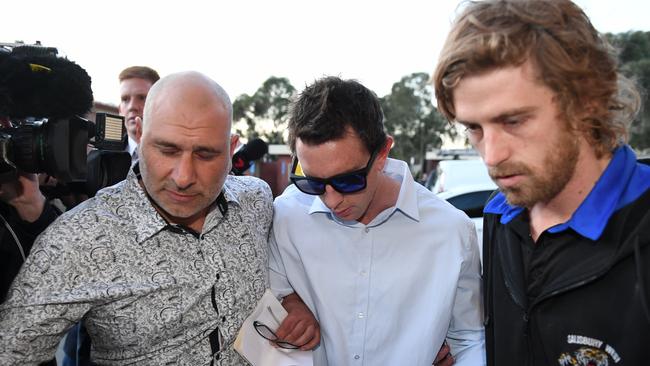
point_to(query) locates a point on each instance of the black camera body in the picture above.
(53, 146)
(108, 162)
(85, 155)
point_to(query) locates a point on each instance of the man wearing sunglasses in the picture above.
(389, 270)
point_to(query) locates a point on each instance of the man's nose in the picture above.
(184, 174)
(331, 198)
(494, 147)
(133, 105)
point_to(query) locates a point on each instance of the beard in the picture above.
(541, 186)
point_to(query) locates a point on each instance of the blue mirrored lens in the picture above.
(349, 183)
(310, 186)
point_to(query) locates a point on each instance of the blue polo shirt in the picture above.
(623, 181)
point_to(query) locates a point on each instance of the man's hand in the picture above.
(444, 357)
(300, 326)
(23, 194)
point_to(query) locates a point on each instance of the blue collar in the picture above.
(622, 182)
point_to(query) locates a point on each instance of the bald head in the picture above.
(191, 89)
(186, 146)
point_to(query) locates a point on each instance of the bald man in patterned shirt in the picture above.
(163, 267)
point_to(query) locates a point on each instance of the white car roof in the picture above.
(459, 173)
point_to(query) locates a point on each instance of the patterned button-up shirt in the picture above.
(150, 293)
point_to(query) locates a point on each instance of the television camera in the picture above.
(42, 100)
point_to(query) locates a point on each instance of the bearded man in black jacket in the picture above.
(567, 237)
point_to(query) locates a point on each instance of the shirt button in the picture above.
(367, 229)
(363, 273)
(361, 315)
(356, 357)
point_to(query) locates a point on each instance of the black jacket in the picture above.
(592, 306)
(10, 257)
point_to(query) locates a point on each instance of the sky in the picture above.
(241, 43)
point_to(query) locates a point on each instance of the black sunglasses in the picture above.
(266, 332)
(343, 183)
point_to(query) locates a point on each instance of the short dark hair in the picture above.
(326, 108)
(570, 56)
(139, 72)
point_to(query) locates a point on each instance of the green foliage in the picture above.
(266, 111)
(632, 46)
(640, 128)
(634, 56)
(412, 120)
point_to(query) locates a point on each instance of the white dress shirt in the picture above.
(132, 149)
(386, 293)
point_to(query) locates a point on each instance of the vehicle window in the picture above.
(439, 179)
(431, 179)
(471, 203)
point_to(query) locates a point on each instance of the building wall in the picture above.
(274, 168)
(276, 173)
(99, 107)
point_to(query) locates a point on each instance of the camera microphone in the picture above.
(244, 157)
(43, 97)
(38, 84)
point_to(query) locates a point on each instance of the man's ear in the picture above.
(234, 141)
(383, 153)
(138, 129)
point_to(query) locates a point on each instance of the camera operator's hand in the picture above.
(24, 195)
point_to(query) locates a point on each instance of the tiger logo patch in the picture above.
(592, 352)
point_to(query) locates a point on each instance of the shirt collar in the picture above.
(145, 216)
(406, 203)
(229, 191)
(230, 198)
(611, 192)
(142, 213)
(132, 145)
